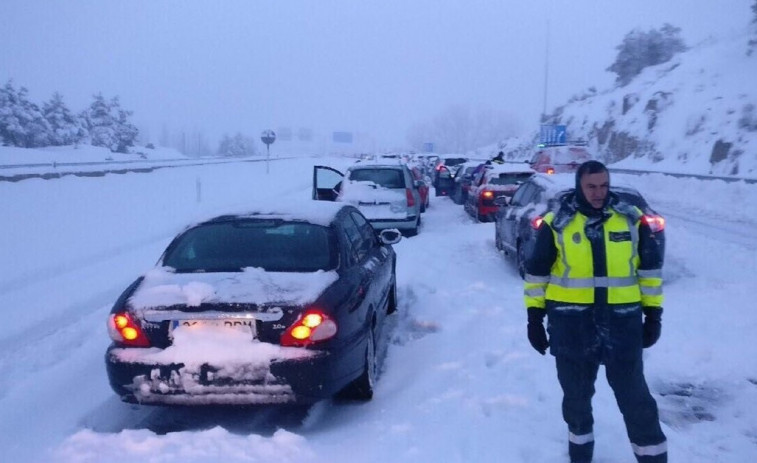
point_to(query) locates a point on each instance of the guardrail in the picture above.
(114, 167)
(681, 175)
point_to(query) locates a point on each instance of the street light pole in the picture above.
(546, 67)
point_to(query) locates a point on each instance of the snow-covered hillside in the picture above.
(694, 114)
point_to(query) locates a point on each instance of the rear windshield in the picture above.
(273, 245)
(387, 178)
(454, 161)
(510, 178)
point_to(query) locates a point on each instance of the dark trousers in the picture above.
(639, 409)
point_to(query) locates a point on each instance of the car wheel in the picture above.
(521, 261)
(362, 387)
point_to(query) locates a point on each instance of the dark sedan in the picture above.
(264, 307)
(518, 219)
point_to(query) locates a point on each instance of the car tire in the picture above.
(520, 259)
(362, 387)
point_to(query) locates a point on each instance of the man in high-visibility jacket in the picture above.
(596, 271)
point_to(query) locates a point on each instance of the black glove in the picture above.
(652, 325)
(537, 335)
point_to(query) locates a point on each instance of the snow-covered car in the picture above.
(387, 194)
(492, 182)
(558, 159)
(517, 220)
(286, 305)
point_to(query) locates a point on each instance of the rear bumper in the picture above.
(302, 380)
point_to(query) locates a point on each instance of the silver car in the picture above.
(386, 193)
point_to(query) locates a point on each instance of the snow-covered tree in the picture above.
(21, 121)
(641, 49)
(238, 145)
(65, 127)
(108, 125)
(457, 129)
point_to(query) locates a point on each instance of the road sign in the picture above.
(553, 135)
(268, 136)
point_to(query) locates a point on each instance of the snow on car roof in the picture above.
(315, 212)
(554, 183)
(510, 167)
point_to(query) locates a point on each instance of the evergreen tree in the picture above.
(108, 125)
(65, 127)
(641, 49)
(21, 121)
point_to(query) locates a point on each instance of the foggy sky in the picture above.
(355, 65)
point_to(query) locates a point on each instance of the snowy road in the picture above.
(460, 382)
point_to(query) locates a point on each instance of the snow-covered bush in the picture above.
(641, 49)
(237, 146)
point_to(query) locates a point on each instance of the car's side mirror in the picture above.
(390, 236)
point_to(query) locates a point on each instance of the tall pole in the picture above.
(546, 67)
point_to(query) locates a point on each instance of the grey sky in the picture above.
(364, 66)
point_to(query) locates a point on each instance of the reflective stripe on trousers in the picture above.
(581, 439)
(650, 450)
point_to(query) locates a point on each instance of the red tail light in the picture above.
(312, 326)
(410, 198)
(487, 194)
(123, 329)
(656, 223)
(536, 222)
(550, 170)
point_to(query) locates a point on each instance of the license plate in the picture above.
(244, 325)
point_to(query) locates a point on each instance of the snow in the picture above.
(460, 382)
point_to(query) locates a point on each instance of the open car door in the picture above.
(326, 183)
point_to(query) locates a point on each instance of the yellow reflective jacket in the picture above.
(573, 279)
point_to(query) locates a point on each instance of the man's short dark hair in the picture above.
(590, 167)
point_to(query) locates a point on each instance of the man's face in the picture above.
(595, 188)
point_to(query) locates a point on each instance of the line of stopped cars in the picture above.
(292, 304)
(285, 305)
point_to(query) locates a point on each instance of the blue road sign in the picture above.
(553, 135)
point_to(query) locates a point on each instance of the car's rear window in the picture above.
(510, 178)
(273, 245)
(387, 178)
(454, 161)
